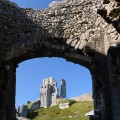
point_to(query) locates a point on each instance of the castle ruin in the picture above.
(49, 92)
(63, 89)
(85, 32)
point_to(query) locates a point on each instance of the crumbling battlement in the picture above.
(49, 92)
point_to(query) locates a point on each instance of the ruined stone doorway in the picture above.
(30, 73)
(25, 36)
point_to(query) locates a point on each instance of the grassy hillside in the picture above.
(75, 112)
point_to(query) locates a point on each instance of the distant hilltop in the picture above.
(84, 97)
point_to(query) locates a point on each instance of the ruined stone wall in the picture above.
(48, 92)
(69, 25)
(80, 31)
(84, 97)
(63, 89)
(110, 13)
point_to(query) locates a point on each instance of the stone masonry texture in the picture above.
(85, 32)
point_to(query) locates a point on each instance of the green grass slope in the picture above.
(75, 112)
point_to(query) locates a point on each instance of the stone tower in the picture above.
(63, 89)
(49, 92)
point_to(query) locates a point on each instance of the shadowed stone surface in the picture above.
(85, 32)
(22, 111)
(34, 106)
(63, 89)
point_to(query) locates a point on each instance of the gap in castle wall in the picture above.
(30, 74)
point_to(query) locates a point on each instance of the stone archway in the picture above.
(71, 29)
(39, 69)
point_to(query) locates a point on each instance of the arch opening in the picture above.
(21, 41)
(37, 69)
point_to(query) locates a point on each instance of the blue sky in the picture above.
(30, 73)
(36, 4)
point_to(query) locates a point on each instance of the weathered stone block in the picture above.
(64, 105)
(35, 106)
(22, 111)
